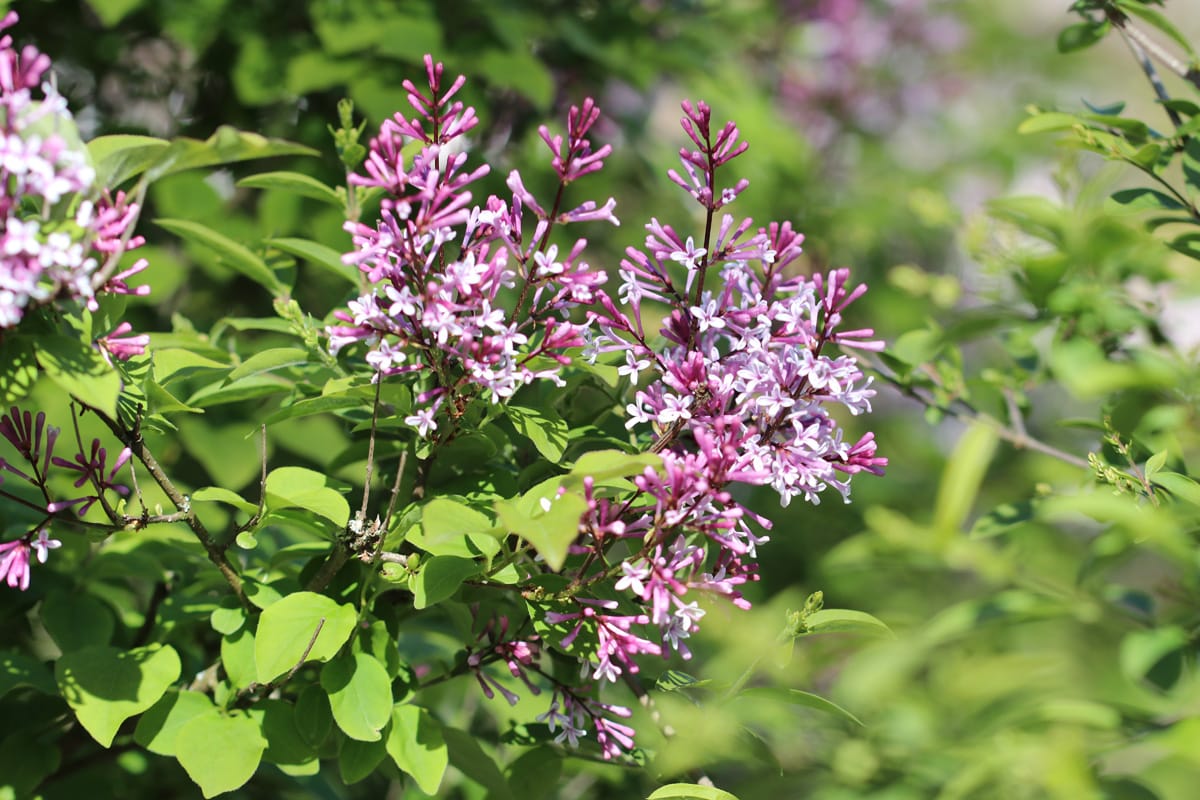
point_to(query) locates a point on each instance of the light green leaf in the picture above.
(319, 255)
(217, 494)
(603, 465)
(287, 627)
(237, 658)
(297, 487)
(158, 729)
(1180, 486)
(801, 698)
(18, 368)
(268, 361)
(112, 12)
(962, 477)
(226, 146)
(315, 405)
(542, 426)
(233, 254)
(550, 531)
(444, 520)
(1141, 650)
(535, 774)
(294, 183)
(841, 620)
(105, 686)
(689, 791)
(121, 157)
(220, 753)
(360, 695)
(439, 577)
(80, 371)
(416, 744)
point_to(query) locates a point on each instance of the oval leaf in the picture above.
(287, 628)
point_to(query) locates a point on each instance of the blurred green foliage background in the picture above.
(1045, 624)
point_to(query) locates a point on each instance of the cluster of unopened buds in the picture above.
(34, 441)
(69, 247)
(735, 387)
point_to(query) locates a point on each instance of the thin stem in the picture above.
(216, 554)
(1168, 60)
(965, 412)
(1151, 73)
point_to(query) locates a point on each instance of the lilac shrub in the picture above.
(737, 386)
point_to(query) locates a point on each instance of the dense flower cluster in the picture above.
(43, 169)
(438, 266)
(34, 441)
(736, 387)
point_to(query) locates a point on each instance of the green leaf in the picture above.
(287, 627)
(293, 183)
(237, 658)
(542, 426)
(158, 729)
(840, 620)
(357, 759)
(471, 760)
(604, 465)
(918, 347)
(18, 368)
(444, 520)
(80, 371)
(315, 405)
(535, 774)
(314, 720)
(227, 618)
(1081, 35)
(121, 157)
(297, 487)
(1180, 486)
(1044, 121)
(416, 744)
(216, 494)
(673, 680)
(20, 669)
(550, 531)
(268, 361)
(1142, 650)
(226, 146)
(1143, 199)
(285, 747)
(800, 698)
(319, 255)
(689, 791)
(105, 686)
(111, 12)
(76, 621)
(439, 577)
(220, 753)
(962, 477)
(25, 762)
(232, 254)
(360, 695)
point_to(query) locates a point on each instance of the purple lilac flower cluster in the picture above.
(34, 442)
(439, 267)
(866, 64)
(735, 387)
(41, 172)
